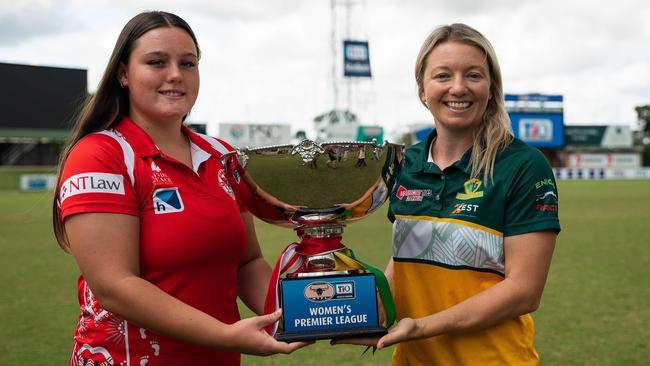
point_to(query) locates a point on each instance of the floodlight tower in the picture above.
(350, 63)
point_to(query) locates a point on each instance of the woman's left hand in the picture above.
(401, 331)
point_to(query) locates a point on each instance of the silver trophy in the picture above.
(316, 189)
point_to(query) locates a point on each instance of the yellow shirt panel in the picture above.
(422, 289)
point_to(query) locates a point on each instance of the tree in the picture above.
(643, 113)
(335, 116)
(334, 120)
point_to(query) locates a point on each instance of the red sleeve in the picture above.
(95, 178)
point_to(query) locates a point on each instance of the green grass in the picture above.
(596, 306)
(595, 309)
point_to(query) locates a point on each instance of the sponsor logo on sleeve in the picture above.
(91, 183)
(544, 183)
(167, 200)
(472, 190)
(546, 201)
(545, 195)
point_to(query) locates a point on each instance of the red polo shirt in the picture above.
(191, 239)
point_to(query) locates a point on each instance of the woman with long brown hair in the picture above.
(145, 208)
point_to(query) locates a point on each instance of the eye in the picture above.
(188, 64)
(156, 62)
(475, 76)
(441, 76)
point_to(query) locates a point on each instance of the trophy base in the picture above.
(329, 307)
(329, 334)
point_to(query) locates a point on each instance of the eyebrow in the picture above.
(161, 53)
(473, 67)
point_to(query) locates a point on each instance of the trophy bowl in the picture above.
(316, 188)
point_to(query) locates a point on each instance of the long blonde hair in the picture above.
(111, 102)
(494, 134)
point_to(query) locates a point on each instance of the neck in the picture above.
(163, 133)
(449, 148)
(169, 138)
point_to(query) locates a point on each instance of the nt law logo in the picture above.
(91, 183)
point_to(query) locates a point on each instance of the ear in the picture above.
(423, 97)
(121, 75)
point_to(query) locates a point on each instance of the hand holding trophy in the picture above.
(324, 290)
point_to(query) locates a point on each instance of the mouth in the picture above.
(172, 93)
(458, 106)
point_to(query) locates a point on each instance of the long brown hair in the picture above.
(494, 133)
(111, 101)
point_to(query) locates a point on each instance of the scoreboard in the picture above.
(537, 119)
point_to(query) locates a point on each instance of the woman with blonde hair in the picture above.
(475, 218)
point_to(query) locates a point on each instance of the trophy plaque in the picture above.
(325, 291)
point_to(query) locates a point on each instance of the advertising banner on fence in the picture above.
(610, 136)
(604, 160)
(255, 134)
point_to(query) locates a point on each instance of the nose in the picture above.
(174, 75)
(458, 86)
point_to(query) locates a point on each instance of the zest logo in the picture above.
(464, 207)
(91, 183)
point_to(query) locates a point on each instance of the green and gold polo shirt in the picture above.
(448, 230)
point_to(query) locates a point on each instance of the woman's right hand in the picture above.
(248, 336)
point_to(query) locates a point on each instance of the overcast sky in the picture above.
(271, 60)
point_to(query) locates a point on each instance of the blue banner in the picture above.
(539, 129)
(356, 59)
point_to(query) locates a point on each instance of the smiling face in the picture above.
(162, 76)
(456, 86)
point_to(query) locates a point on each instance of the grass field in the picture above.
(595, 309)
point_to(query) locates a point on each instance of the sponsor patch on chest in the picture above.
(223, 182)
(465, 209)
(472, 190)
(158, 176)
(167, 200)
(412, 194)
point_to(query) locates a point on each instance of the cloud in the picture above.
(23, 25)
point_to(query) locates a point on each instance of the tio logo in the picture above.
(344, 290)
(538, 130)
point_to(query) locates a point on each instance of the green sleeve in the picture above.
(532, 198)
